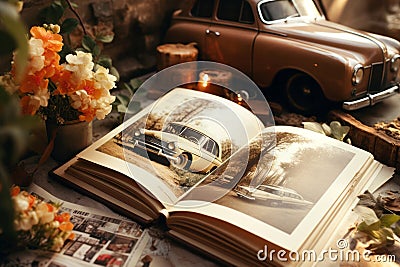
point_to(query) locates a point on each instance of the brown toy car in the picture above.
(289, 45)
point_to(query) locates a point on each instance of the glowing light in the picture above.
(239, 98)
(205, 80)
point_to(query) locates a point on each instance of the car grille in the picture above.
(375, 79)
(153, 140)
(155, 145)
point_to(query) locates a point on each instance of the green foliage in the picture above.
(334, 129)
(123, 104)
(56, 14)
(12, 139)
(14, 33)
(378, 222)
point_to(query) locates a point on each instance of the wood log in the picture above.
(172, 54)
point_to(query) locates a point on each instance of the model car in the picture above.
(273, 195)
(289, 46)
(185, 145)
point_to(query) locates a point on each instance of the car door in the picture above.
(191, 27)
(230, 38)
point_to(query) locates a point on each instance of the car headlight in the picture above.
(395, 63)
(358, 74)
(137, 133)
(171, 145)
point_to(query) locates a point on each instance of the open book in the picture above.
(221, 181)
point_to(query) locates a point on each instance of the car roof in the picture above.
(208, 127)
(281, 188)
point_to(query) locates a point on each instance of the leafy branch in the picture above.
(56, 14)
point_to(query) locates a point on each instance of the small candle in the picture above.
(205, 80)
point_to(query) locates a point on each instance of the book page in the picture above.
(173, 144)
(309, 174)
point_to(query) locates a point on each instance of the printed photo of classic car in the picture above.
(288, 46)
(187, 146)
(273, 196)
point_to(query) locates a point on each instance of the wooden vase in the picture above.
(69, 138)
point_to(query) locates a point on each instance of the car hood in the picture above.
(336, 36)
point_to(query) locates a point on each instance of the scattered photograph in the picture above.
(121, 244)
(111, 259)
(89, 225)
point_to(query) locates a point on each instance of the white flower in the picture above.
(104, 80)
(102, 113)
(25, 224)
(80, 100)
(36, 51)
(36, 48)
(41, 95)
(80, 65)
(21, 203)
(45, 216)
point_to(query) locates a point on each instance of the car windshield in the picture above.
(173, 128)
(269, 190)
(272, 10)
(192, 135)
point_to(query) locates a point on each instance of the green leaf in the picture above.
(52, 14)
(327, 129)
(121, 108)
(123, 99)
(106, 62)
(367, 215)
(134, 107)
(114, 72)
(69, 25)
(339, 131)
(314, 126)
(105, 38)
(135, 84)
(388, 220)
(88, 43)
(16, 28)
(96, 51)
(125, 87)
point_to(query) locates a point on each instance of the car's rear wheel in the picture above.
(304, 94)
(183, 162)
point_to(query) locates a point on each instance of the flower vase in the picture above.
(69, 138)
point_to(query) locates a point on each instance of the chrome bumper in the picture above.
(153, 149)
(370, 99)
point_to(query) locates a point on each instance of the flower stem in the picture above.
(77, 15)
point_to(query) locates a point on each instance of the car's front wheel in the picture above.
(183, 161)
(304, 94)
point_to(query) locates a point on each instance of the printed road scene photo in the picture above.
(185, 136)
(288, 180)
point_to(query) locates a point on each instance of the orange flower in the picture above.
(51, 63)
(15, 191)
(51, 41)
(28, 107)
(63, 81)
(64, 217)
(30, 82)
(31, 201)
(87, 115)
(71, 236)
(66, 226)
(88, 86)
